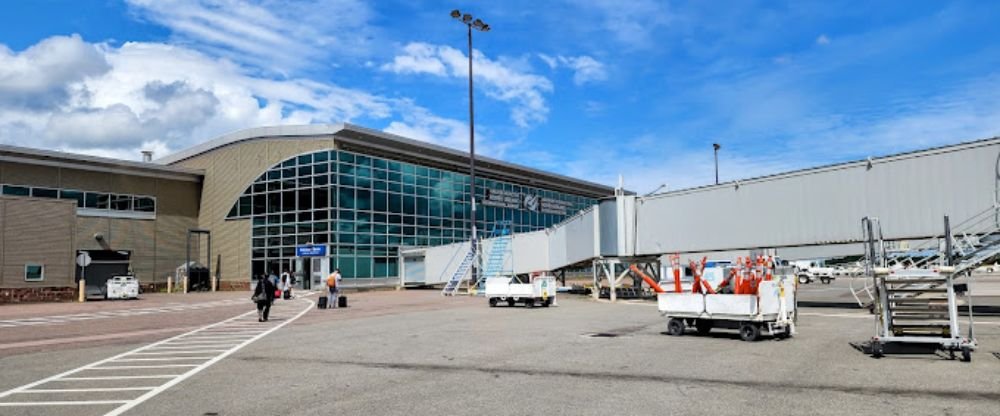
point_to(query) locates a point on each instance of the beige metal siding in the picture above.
(19, 173)
(36, 231)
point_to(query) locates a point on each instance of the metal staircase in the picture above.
(917, 305)
(974, 241)
(451, 288)
(499, 252)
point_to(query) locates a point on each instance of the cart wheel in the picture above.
(493, 302)
(704, 326)
(967, 354)
(749, 332)
(510, 302)
(803, 279)
(547, 302)
(784, 334)
(675, 327)
(825, 280)
(877, 351)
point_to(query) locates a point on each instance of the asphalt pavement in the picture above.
(417, 353)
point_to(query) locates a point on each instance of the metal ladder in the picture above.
(499, 252)
(973, 242)
(916, 305)
(451, 288)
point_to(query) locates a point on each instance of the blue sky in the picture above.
(590, 89)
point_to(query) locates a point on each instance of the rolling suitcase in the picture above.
(321, 302)
(342, 302)
(287, 295)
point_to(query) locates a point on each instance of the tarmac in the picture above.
(418, 353)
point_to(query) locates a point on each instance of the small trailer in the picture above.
(122, 287)
(771, 311)
(540, 290)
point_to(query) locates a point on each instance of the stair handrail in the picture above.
(444, 271)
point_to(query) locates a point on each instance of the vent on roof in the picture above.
(147, 156)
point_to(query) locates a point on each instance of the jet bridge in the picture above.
(809, 213)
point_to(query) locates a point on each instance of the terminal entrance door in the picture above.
(311, 272)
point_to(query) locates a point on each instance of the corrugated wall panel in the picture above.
(35, 231)
(909, 193)
(529, 253)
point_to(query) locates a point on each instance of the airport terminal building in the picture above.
(303, 198)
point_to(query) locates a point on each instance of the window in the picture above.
(145, 204)
(121, 202)
(69, 194)
(15, 190)
(44, 193)
(95, 200)
(34, 272)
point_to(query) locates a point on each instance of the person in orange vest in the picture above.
(333, 286)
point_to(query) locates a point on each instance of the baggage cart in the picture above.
(122, 287)
(769, 312)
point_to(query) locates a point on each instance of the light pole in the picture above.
(716, 146)
(470, 24)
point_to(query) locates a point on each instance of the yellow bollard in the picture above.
(170, 284)
(185, 284)
(214, 283)
(83, 291)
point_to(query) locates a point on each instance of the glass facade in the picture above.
(364, 208)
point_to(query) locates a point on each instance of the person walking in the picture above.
(285, 275)
(285, 286)
(333, 285)
(263, 294)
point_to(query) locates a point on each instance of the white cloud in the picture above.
(275, 35)
(585, 68)
(500, 81)
(41, 75)
(551, 61)
(633, 23)
(822, 40)
(167, 97)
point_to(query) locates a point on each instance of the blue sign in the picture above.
(310, 251)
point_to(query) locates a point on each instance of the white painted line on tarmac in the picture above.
(66, 403)
(124, 408)
(122, 360)
(62, 319)
(88, 390)
(190, 347)
(108, 378)
(178, 352)
(838, 315)
(157, 348)
(204, 344)
(132, 367)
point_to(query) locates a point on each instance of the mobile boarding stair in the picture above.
(494, 266)
(916, 301)
(497, 259)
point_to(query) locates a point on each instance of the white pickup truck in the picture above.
(541, 290)
(810, 271)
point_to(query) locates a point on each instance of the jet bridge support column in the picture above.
(608, 268)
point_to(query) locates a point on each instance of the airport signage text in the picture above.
(311, 251)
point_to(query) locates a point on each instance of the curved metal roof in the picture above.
(364, 140)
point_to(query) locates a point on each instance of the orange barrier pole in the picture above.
(649, 281)
(696, 284)
(675, 262)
